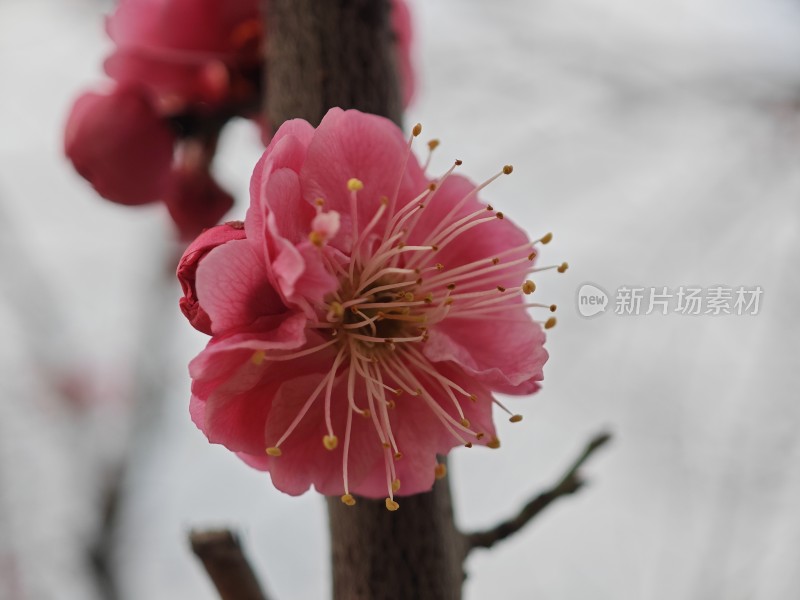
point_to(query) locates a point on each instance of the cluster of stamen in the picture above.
(390, 295)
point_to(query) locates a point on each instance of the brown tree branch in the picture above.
(570, 483)
(332, 53)
(413, 553)
(226, 565)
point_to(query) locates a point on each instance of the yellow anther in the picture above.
(274, 451)
(258, 357)
(528, 287)
(515, 418)
(316, 238)
(384, 200)
(398, 455)
(348, 499)
(473, 397)
(330, 441)
(507, 170)
(366, 414)
(433, 144)
(440, 472)
(319, 202)
(547, 237)
(336, 309)
(417, 129)
(395, 485)
(493, 443)
(550, 323)
(465, 422)
(439, 266)
(563, 267)
(391, 505)
(408, 297)
(355, 185)
(532, 255)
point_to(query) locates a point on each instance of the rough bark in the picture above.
(415, 552)
(325, 53)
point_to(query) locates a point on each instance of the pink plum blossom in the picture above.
(363, 323)
(182, 68)
(192, 55)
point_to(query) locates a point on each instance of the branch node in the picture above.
(569, 483)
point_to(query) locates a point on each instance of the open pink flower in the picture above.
(363, 324)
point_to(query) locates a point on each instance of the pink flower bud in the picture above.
(194, 200)
(118, 143)
(187, 269)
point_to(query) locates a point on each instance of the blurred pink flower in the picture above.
(182, 68)
(403, 30)
(194, 199)
(120, 145)
(362, 325)
(192, 55)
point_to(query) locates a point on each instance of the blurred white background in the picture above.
(658, 140)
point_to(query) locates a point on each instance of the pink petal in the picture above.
(233, 288)
(287, 150)
(187, 270)
(296, 265)
(505, 356)
(305, 461)
(350, 144)
(482, 242)
(232, 393)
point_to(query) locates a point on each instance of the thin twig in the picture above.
(226, 565)
(570, 483)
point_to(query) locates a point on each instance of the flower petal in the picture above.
(187, 270)
(233, 288)
(503, 355)
(350, 144)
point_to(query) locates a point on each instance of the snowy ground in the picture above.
(658, 140)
